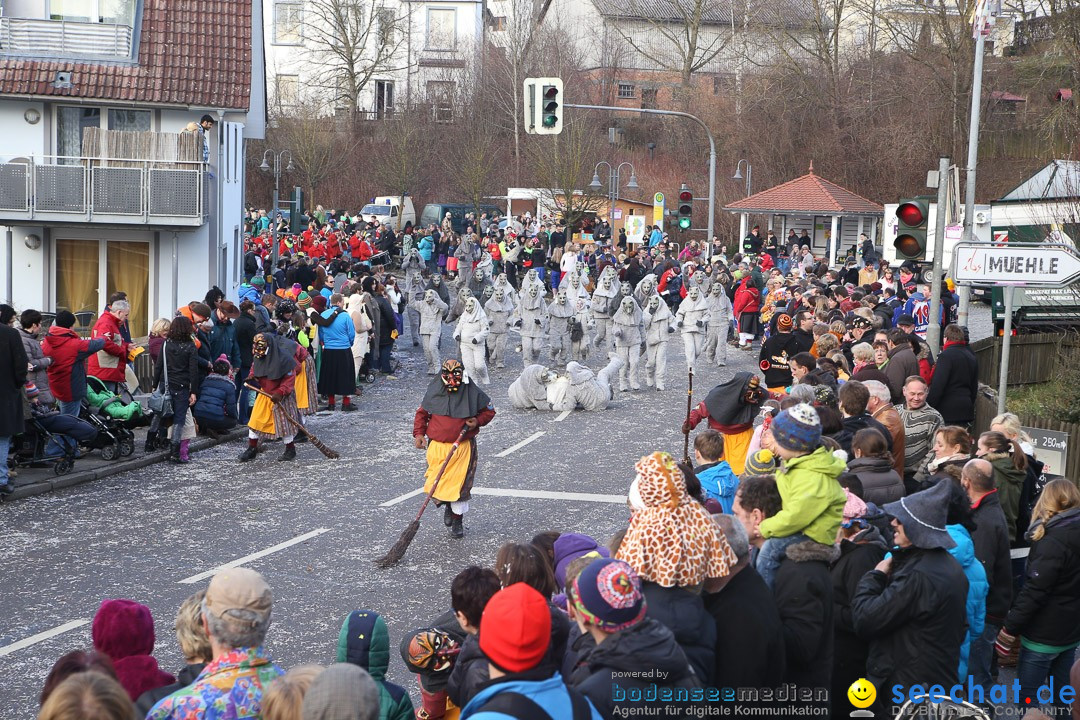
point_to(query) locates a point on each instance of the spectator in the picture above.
(223, 332)
(67, 371)
(342, 692)
(802, 364)
(803, 332)
(109, 363)
(470, 592)
(195, 646)
(517, 562)
(364, 641)
(956, 379)
(125, 328)
(88, 695)
(156, 339)
(13, 369)
(177, 373)
(30, 327)
(881, 409)
(236, 611)
(872, 464)
(902, 364)
(921, 423)
(960, 525)
(854, 397)
(124, 630)
(717, 479)
(864, 367)
(284, 698)
(72, 663)
(215, 409)
(246, 328)
(1010, 466)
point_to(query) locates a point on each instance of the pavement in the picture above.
(155, 532)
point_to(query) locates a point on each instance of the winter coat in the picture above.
(223, 341)
(991, 540)
(426, 248)
(964, 552)
(854, 424)
(248, 292)
(774, 356)
(647, 648)
(67, 372)
(550, 693)
(340, 333)
(803, 593)
(1047, 610)
(747, 298)
(469, 673)
(109, 363)
(217, 398)
(683, 612)
(902, 365)
(13, 364)
(750, 651)
(858, 556)
(718, 481)
(386, 322)
(913, 618)
(1010, 484)
(881, 483)
(365, 641)
(40, 374)
(245, 336)
(183, 366)
(813, 502)
(955, 384)
(185, 677)
(887, 416)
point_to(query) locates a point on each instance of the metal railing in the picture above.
(83, 189)
(63, 38)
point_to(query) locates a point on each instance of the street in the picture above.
(314, 527)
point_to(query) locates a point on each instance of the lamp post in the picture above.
(738, 176)
(613, 184)
(275, 213)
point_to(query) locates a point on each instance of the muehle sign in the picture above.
(1027, 264)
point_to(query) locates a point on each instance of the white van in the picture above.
(387, 210)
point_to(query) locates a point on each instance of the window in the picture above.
(384, 98)
(288, 23)
(117, 12)
(626, 90)
(387, 24)
(440, 94)
(70, 123)
(133, 120)
(648, 98)
(441, 29)
(287, 90)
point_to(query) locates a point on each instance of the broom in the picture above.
(398, 550)
(328, 452)
(689, 405)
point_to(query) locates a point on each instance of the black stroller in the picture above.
(115, 436)
(28, 449)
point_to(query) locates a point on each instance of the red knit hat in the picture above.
(515, 629)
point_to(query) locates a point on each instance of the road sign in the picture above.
(1052, 448)
(658, 209)
(1021, 264)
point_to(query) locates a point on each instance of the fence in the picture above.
(986, 409)
(1032, 358)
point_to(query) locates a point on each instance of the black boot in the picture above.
(151, 443)
(457, 530)
(174, 453)
(448, 516)
(250, 454)
(289, 454)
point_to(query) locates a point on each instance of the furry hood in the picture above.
(494, 306)
(578, 373)
(810, 551)
(694, 306)
(606, 292)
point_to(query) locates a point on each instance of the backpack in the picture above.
(520, 707)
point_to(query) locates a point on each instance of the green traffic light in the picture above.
(684, 223)
(550, 120)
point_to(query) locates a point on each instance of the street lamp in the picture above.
(275, 213)
(738, 174)
(613, 183)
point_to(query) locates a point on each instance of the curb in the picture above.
(114, 468)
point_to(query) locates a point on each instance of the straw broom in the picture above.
(328, 452)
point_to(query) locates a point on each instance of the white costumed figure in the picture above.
(659, 324)
(574, 285)
(486, 265)
(501, 282)
(581, 328)
(430, 311)
(692, 319)
(605, 301)
(588, 390)
(646, 289)
(499, 309)
(701, 281)
(560, 316)
(477, 282)
(530, 390)
(627, 323)
(533, 317)
(457, 306)
(413, 287)
(720, 318)
(472, 333)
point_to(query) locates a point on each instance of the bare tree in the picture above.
(397, 161)
(319, 149)
(565, 166)
(474, 157)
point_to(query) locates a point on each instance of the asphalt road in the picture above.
(156, 535)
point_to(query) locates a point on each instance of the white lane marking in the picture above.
(42, 636)
(521, 444)
(550, 495)
(254, 556)
(563, 415)
(402, 498)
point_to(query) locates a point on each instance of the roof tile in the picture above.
(807, 194)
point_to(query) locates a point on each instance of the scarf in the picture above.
(279, 359)
(467, 402)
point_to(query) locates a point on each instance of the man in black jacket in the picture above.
(804, 331)
(912, 607)
(991, 538)
(854, 397)
(956, 380)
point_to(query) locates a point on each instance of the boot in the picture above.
(289, 454)
(457, 530)
(184, 456)
(250, 454)
(448, 516)
(151, 443)
(174, 453)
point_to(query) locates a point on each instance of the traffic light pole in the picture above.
(712, 154)
(933, 330)
(972, 159)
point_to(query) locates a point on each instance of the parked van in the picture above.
(435, 212)
(387, 211)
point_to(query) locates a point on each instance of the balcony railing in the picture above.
(103, 190)
(31, 37)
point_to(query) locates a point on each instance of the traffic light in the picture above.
(686, 208)
(543, 105)
(296, 225)
(912, 215)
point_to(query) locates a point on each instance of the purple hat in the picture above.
(570, 546)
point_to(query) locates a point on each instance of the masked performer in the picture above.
(498, 309)
(276, 363)
(659, 324)
(692, 319)
(560, 315)
(431, 310)
(472, 333)
(627, 332)
(720, 318)
(533, 315)
(730, 409)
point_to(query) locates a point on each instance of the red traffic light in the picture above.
(910, 214)
(686, 196)
(550, 92)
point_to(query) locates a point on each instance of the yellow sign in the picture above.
(658, 209)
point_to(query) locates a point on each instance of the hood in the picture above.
(869, 535)
(821, 460)
(561, 310)
(964, 552)
(139, 673)
(810, 551)
(570, 546)
(648, 644)
(621, 317)
(604, 292)
(58, 336)
(663, 312)
(1003, 464)
(122, 628)
(578, 373)
(493, 305)
(365, 641)
(476, 316)
(691, 306)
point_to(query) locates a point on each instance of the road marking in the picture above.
(550, 495)
(402, 498)
(42, 636)
(521, 444)
(563, 415)
(254, 556)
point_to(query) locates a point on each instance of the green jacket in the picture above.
(98, 396)
(813, 500)
(1009, 483)
(365, 641)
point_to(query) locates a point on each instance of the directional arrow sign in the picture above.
(1033, 264)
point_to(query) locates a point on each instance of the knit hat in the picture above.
(698, 551)
(31, 390)
(122, 628)
(824, 396)
(515, 629)
(923, 516)
(763, 462)
(318, 302)
(854, 507)
(798, 428)
(303, 300)
(570, 546)
(783, 322)
(607, 594)
(258, 281)
(341, 692)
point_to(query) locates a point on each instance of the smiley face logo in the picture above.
(862, 693)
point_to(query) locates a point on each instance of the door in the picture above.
(89, 271)
(384, 98)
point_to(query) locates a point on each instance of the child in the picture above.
(717, 479)
(813, 501)
(469, 594)
(364, 641)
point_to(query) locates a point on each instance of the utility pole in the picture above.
(933, 330)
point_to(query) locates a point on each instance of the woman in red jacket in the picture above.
(747, 305)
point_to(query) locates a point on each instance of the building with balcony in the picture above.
(103, 185)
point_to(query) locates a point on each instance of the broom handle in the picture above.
(689, 405)
(446, 461)
(288, 417)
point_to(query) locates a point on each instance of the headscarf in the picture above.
(673, 542)
(466, 402)
(727, 403)
(279, 359)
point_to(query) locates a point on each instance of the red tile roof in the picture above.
(191, 52)
(807, 194)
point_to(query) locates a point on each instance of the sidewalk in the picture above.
(90, 467)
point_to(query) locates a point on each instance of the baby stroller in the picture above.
(113, 418)
(28, 449)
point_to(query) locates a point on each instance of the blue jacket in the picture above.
(426, 247)
(978, 587)
(217, 398)
(249, 292)
(719, 482)
(549, 694)
(223, 341)
(655, 237)
(340, 333)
